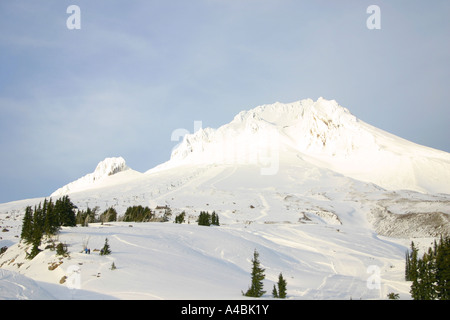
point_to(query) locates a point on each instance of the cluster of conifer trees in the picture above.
(180, 217)
(84, 217)
(206, 219)
(138, 214)
(430, 275)
(46, 219)
(257, 286)
(132, 214)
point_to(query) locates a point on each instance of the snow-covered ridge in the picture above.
(105, 168)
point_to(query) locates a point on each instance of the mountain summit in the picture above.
(105, 168)
(322, 133)
(321, 127)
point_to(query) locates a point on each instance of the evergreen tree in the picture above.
(106, 249)
(430, 275)
(281, 292)
(65, 210)
(85, 217)
(51, 218)
(109, 215)
(274, 292)
(256, 287)
(180, 217)
(204, 219)
(393, 296)
(443, 269)
(412, 264)
(167, 214)
(27, 225)
(138, 214)
(44, 220)
(38, 229)
(281, 286)
(215, 219)
(35, 232)
(61, 249)
(407, 267)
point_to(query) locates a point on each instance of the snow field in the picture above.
(171, 261)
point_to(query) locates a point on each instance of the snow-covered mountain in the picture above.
(287, 154)
(323, 196)
(321, 132)
(325, 134)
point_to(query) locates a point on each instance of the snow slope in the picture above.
(171, 261)
(315, 226)
(313, 189)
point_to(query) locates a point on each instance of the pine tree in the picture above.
(443, 269)
(281, 292)
(108, 215)
(412, 263)
(44, 220)
(407, 266)
(274, 292)
(180, 217)
(215, 219)
(51, 218)
(65, 210)
(105, 250)
(281, 286)
(61, 249)
(204, 219)
(27, 225)
(37, 231)
(393, 296)
(138, 214)
(256, 287)
(431, 274)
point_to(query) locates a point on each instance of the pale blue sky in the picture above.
(137, 70)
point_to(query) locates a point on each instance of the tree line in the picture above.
(132, 214)
(206, 219)
(430, 275)
(48, 217)
(45, 220)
